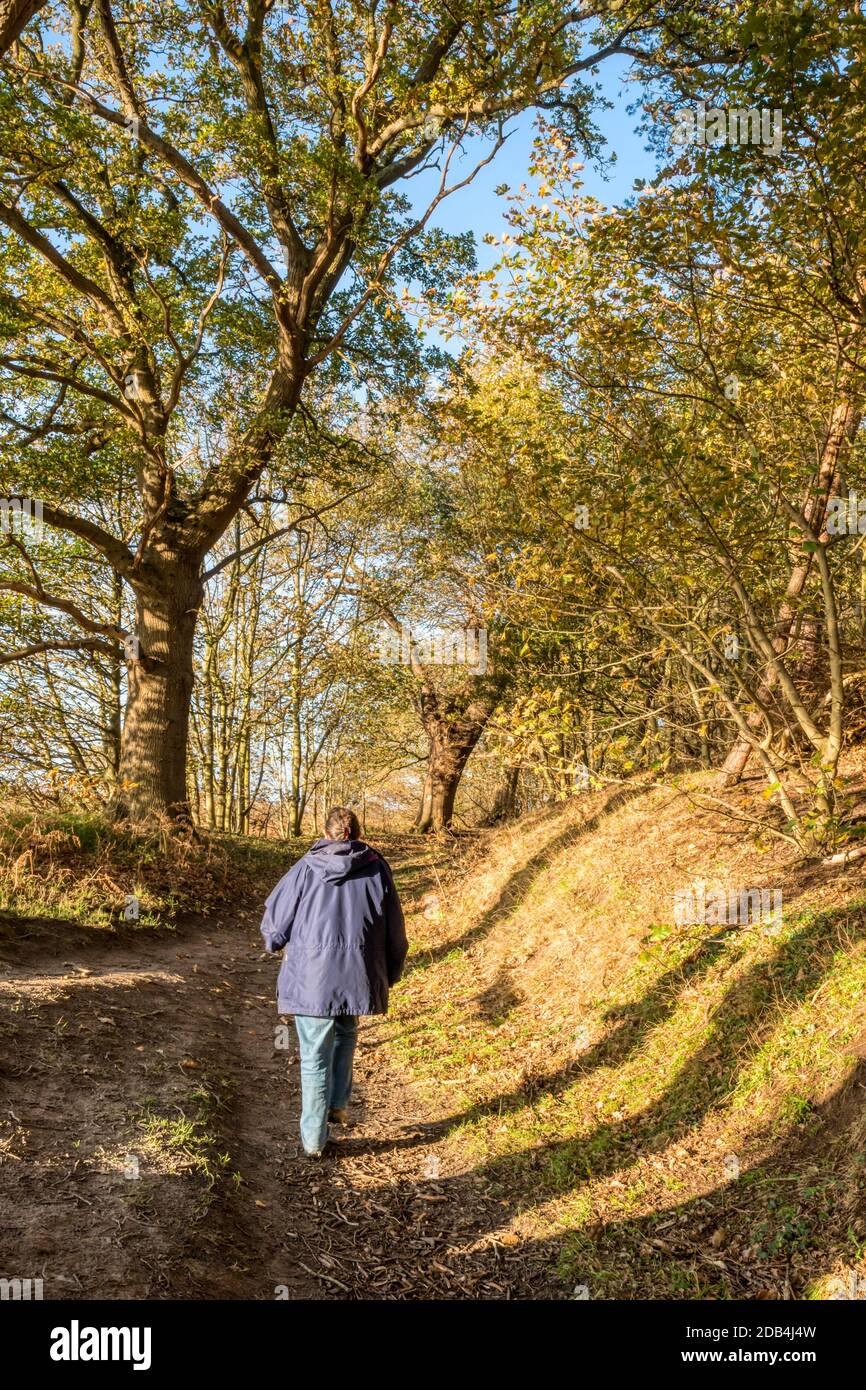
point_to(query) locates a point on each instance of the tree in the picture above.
(14, 16)
(692, 352)
(191, 237)
(805, 63)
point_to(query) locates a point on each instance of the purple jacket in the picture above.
(337, 919)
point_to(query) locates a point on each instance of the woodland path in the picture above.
(157, 1049)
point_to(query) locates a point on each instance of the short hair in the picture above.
(342, 824)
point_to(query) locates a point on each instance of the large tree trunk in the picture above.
(452, 739)
(844, 423)
(14, 15)
(450, 747)
(154, 742)
(454, 721)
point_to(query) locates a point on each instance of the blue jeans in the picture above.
(327, 1047)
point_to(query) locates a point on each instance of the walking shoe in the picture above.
(339, 1116)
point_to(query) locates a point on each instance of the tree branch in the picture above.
(92, 644)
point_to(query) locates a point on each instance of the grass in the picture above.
(82, 868)
(187, 1139)
(662, 1111)
(602, 1065)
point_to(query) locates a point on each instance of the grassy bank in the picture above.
(84, 869)
(665, 1111)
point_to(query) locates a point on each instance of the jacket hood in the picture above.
(336, 860)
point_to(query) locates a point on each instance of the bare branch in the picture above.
(91, 644)
(80, 282)
(115, 552)
(63, 605)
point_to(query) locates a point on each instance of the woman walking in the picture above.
(337, 919)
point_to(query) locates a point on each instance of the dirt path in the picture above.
(148, 1136)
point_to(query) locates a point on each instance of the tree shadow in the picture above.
(741, 1023)
(23, 939)
(635, 1021)
(780, 1220)
(521, 881)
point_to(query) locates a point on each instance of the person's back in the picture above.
(337, 918)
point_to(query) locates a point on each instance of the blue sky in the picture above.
(478, 207)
